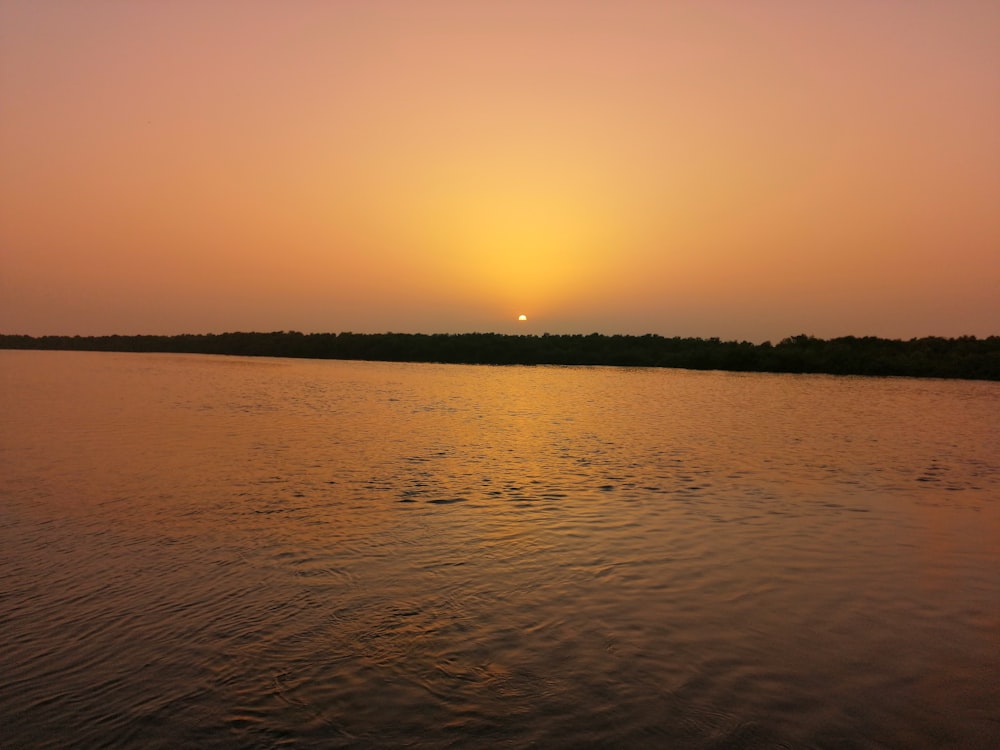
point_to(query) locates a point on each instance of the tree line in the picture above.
(963, 357)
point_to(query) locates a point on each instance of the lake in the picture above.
(215, 552)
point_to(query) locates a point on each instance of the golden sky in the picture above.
(738, 169)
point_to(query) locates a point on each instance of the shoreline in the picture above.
(965, 357)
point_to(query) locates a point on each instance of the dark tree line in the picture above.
(962, 357)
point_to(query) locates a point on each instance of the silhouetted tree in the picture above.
(962, 357)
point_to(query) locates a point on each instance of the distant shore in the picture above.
(964, 357)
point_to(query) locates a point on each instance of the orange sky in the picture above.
(738, 169)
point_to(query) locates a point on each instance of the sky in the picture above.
(747, 170)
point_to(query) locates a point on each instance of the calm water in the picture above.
(222, 552)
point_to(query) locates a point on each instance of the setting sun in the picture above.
(624, 168)
(259, 262)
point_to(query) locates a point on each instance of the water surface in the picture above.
(222, 552)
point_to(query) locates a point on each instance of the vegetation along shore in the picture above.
(963, 357)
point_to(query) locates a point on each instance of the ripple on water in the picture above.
(386, 554)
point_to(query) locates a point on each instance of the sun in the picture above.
(522, 318)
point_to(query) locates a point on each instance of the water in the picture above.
(221, 552)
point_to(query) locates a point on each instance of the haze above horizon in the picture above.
(727, 169)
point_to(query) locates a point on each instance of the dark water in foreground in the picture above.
(220, 552)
